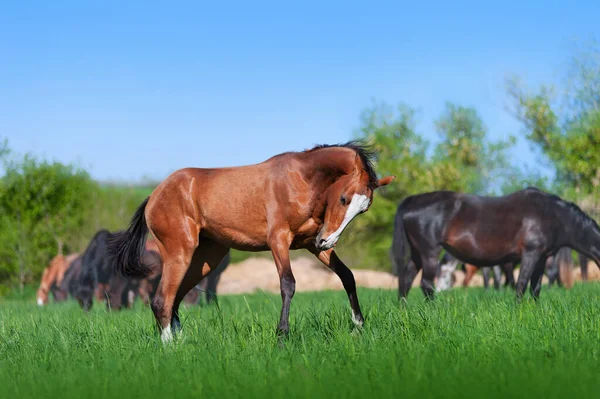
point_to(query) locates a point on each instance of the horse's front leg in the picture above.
(583, 263)
(536, 279)
(497, 276)
(529, 262)
(280, 248)
(331, 260)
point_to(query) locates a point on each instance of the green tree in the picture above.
(401, 152)
(4, 151)
(464, 160)
(565, 129)
(44, 205)
(41, 204)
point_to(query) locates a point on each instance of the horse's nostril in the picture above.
(322, 242)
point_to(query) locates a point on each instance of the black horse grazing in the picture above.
(70, 281)
(96, 271)
(526, 226)
(98, 276)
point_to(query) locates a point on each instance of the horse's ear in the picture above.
(384, 181)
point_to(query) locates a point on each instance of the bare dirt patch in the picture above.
(259, 274)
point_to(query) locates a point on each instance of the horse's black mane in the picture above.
(582, 218)
(366, 153)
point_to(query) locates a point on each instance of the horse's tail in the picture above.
(127, 247)
(400, 252)
(565, 265)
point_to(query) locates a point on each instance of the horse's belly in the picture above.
(235, 237)
(242, 231)
(482, 251)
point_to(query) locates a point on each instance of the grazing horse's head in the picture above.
(85, 297)
(350, 195)
(446, 279)
(42, 297)
(49, 277)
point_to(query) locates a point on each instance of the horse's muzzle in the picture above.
(324, 244)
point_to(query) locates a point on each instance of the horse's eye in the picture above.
(343, 200)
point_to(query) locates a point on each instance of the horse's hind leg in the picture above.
(529, 262)
(176, 251)
(406, 276)
(428, 262)
(213, 279)
(205, 260)
(536, 279)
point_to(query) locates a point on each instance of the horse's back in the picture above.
(424, 200)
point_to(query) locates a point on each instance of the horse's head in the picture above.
(347, 197)
(85, 296)
(446, 279)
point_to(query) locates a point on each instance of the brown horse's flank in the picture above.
(293, 200)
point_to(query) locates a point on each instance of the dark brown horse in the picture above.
(70, 281)
(293, 200)
(526, 226)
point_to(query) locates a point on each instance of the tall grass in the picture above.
(469, 343)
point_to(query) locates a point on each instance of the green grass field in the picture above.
(468, 343)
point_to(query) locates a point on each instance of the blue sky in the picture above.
(130, 89)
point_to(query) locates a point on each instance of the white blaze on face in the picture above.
(358, 204)
(40, 301)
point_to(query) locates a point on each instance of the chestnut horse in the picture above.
(471, 270)
(52, 278)
(290, 201)
(526, 226)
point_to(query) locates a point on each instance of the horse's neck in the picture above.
(334, 162)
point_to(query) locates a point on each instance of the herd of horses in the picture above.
(91, 275)
(305, 200)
